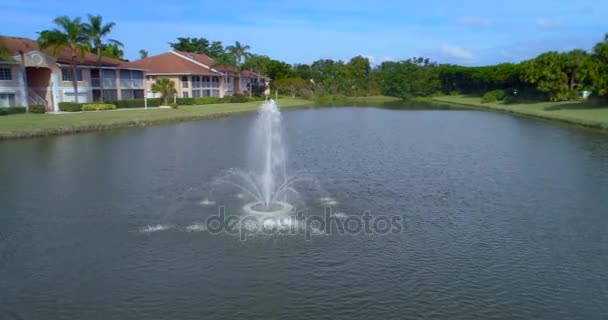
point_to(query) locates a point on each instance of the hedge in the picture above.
(135, 103)
(3, 112)
(493, 96)
(37, 108)
(98, 106)
(70, 106)
(16, 110)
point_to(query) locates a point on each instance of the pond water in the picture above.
(500, 218)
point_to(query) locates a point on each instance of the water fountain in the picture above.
(267, 184)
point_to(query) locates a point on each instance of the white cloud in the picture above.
(456, 52)
(548, 24)
(474, 21)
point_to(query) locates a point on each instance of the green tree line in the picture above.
(554, 76)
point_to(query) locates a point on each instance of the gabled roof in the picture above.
(17, 45)
(181, 62)
(175, 62)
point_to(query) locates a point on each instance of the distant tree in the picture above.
(303, 70)
(195, 45)
(68, 34)
(113, 51)
(165, 87)
(599, 69)
(213, 49)
(225, 60)
(358, 67)
(290, 85)
(258, 63)
(143, 54)
(240, 53)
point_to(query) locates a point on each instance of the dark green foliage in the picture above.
(174, 105)
(488, 97)
(37, 108)
(199, 45)
(186, 101)
(207, 100)
(98, 106)
(16, 110)
(236, 98)
(493, 96)
(135, 103)
(3, 112)
(70, 106)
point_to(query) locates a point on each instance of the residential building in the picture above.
(37, 77)
(195, 75)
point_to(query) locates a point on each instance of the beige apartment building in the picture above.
(195, 75)
(35, 76)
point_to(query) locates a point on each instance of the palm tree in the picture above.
(240, 53)
(165, 87)
(143, 53)
(96, 30)
(68, 34)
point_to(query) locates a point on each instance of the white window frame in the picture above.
(66, 73)
(10, 73)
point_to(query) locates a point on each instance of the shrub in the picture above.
(206, 100)
(493, 96)
(238, 98)
(70, 106)
(3, 112)
(174, 105)
(186, 101)
(98, 106)
(135, 103)
(455, 93)
(488, 97)
(16, 110)
(37, 108)
(511, 100)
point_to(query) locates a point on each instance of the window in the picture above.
(184, 82)
(6, 74)
(196, 93)
(185, 94)
(66, 74)
(7, 100)
(229, 80)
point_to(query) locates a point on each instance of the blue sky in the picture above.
(463, 32)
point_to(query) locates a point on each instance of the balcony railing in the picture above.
(205, 84)
(132, 83)
(107, 82)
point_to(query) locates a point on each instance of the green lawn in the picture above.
(30, 125)
(580, 113)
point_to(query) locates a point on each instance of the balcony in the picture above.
(107, 83)
(132, 83)
(205, 85)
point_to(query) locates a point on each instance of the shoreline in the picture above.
(586, 116)
(45, 125)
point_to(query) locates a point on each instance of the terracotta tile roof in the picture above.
(182, 62)
(15, 45)
(171, 63)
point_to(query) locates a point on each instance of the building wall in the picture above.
(183, 88)
(11, 91)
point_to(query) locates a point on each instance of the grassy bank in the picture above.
(579, 113)
(34, 125)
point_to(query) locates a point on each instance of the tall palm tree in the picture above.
(96, 30)
(240, 53)
(68, 34)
